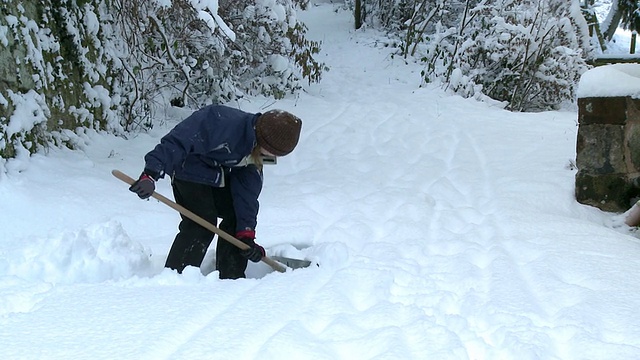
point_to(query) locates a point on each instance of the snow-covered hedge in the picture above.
(54, 75)
(68, 65)
(528, 54)
(193, 52)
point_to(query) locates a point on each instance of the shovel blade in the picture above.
(291, 263)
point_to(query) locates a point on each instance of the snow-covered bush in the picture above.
(106, 64)
(271, 54)
(195, 53)
(527, 53)
(630, 14)
(54, 74)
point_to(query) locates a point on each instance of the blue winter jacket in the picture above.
(206, 145)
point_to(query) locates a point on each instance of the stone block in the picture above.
(602, 110)
(613, 192)
(633, 146)
(632, 111)
(600, 149)
(608, 152)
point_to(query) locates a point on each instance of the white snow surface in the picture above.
(611, 80)
(444, 228)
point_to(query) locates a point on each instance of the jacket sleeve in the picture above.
(186, 137)
(246, 184)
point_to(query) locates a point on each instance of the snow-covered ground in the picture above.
(444, 229)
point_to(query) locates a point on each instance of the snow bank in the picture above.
(95, 254)
(611, 80)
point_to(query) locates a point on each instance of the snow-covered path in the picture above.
(445, 229)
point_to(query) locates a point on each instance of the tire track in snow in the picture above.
(459, 244)
(253, 333)
(173, 341)
(509, 290)
(363, 183)
(372, 326)
(467, 237)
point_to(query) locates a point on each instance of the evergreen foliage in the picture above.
(195, 57)
(107, 64)
(630, 14)
(528, 54)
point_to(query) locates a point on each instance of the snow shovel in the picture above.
(292, 263)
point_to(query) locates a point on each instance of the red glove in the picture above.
(255, 252)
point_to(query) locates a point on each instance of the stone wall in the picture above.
(608, 152)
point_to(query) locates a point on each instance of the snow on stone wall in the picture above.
(611, 80)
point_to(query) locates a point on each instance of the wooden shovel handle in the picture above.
(202, 222)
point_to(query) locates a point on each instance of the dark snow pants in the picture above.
(192, 241)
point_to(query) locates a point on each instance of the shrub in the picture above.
(528, 54)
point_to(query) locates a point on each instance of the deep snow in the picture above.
(445, 229)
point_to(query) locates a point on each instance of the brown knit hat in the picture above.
(278, 131)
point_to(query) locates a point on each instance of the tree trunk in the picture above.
(357, 13)
(612, 21)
